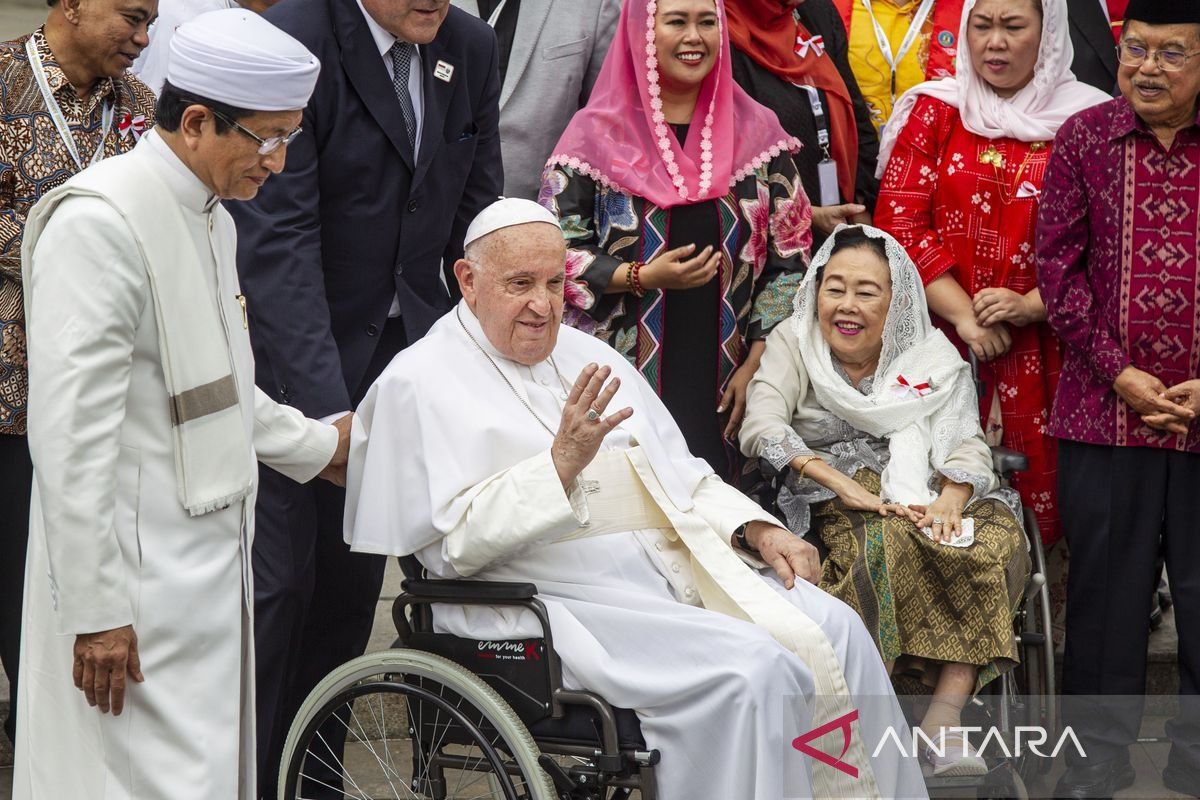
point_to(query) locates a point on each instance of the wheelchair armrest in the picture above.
(1006, 461)
(469, 592)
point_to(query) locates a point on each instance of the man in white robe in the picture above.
(480, 451)
(144, 428)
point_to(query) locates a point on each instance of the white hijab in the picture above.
(922, 427)
(1034, 114)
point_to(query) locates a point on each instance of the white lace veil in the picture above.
(922, 429)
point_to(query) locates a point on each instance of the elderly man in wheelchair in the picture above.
(506, 448)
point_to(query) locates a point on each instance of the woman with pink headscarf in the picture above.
(687, 226)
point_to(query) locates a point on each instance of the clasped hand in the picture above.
(335, 471)
(943, 516)
(580, 433)
(1166, 409)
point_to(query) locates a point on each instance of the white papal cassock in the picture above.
(111, 543)
(448, 463)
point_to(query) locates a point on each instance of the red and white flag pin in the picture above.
(130, 124)
(816, 43)
(906, 388)
(443, 71)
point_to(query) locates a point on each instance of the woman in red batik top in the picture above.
(962, 162)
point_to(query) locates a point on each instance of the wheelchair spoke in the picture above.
(366, 743)
(341, 767)
(383, 730)
(408, 734)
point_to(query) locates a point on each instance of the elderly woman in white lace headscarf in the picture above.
(871, 412)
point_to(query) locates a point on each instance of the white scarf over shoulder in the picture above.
(1034, 114)
(922, 426)
(213, 464)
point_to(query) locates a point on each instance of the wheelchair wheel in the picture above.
(415, 726)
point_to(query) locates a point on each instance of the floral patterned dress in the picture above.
(967, 205)
(762, 227)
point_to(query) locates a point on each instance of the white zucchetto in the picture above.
(236, 57)
(504, 213)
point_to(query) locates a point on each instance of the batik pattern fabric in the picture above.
(967, 205)
(765, 235)
(1119, 269)
(888, 573)
(34, 160)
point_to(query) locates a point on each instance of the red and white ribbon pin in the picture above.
(905, 388)
(817, 43)
(131, 124)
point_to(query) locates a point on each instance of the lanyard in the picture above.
(885, 46)
(56, 114)
(827, 178)
(818, 110)
(495, 17)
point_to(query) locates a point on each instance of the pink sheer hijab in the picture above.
(622, 139)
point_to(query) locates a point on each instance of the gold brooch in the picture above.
(992, 156)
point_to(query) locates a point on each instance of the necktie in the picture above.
(401, 54)
(1116, 16)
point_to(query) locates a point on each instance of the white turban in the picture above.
(236, 57)
(504, 213)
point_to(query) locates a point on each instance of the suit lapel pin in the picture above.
(443, 71)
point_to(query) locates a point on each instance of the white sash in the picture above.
(729, 587)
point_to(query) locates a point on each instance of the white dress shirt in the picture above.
(384, 41)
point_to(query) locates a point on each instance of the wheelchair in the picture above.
(1026, 696)
(441, 717)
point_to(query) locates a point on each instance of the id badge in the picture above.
(827, 177)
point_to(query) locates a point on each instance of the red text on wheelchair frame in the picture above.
(843, 722)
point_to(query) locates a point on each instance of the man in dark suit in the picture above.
(1095, 48)
(342, 260)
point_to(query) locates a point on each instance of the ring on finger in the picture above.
(937, 520)
(593, 415)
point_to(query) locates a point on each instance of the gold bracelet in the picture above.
(804, 466)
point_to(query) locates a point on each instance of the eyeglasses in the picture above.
(1134, 55)
(265, 146)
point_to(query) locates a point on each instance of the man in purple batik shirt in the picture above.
(1119, 272)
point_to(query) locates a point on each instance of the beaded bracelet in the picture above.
(633, 279)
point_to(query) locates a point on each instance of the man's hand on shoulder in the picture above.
(335, 472)
(584, 426)
(101, 661)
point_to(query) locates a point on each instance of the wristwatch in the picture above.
(739, 538)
